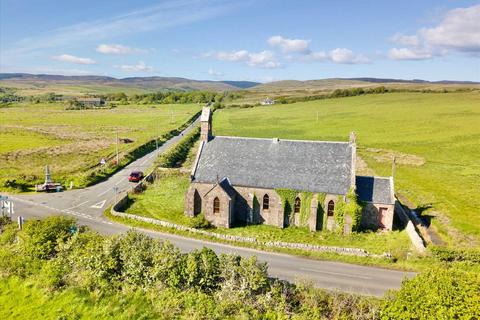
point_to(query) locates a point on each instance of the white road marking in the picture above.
(337, 273)
(78, 205)
(99, 205)
(104, 192)
(119, 181)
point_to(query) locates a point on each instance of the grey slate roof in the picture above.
(225, 185)
(272, 163)
(375, 189)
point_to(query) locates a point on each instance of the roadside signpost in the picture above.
(6, 205)
(115, 191)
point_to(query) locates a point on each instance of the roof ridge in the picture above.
(375, 177)
(291, 140)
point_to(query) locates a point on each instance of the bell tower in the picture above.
(206, 124)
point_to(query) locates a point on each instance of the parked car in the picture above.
(135, 176)
(49, 187)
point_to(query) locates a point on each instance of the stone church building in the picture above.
(234, 181)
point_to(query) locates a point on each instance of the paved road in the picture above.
(88, 204)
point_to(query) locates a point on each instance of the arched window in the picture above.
(216, 205)
(266, 202)
(330, 208)
(197, 203)
(298, 203)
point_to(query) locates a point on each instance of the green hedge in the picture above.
(176, 155)
(196, 285)
(446, 254)
(439, 293)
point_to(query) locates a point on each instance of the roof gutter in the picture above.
(197, 158)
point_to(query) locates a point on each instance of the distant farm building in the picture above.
(91, 102)
(267, 102)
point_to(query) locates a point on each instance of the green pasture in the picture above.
(73, 141)
(434, 136)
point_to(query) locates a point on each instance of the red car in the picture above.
(135, 176)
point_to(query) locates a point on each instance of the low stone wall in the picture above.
(116, 211)
(417, 241)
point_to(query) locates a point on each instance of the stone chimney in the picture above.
(206, 124)
(353, 145)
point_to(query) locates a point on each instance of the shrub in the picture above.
(202, 270)
(439, 293)
(456, 255)
(199, 222)
(41, 237)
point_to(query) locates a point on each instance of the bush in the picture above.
(42, 237)
(445, 254)
(439, 293)
(199, 222)
(178, 154)
(149, 273)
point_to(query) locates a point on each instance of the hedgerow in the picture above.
(174, 157)
(438, 293)
(60, 258)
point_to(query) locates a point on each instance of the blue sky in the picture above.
(262, 40)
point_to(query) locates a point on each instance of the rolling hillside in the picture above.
(30, 84)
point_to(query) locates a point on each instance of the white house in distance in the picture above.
(267, 102)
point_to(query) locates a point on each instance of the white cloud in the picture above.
(347, 56)
(289, 45)
(139, 67)
(118, 49)
(405, 40)
(240, 55)
(458, 30)
(215, 73)
(73, 59)
(263, 59)
(408, 54)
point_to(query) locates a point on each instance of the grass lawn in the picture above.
(164, 200)
(435, 137)
(24, 299)
(71, 142)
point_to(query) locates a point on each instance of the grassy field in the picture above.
(71, 142)
(435, 137)
(21, 299)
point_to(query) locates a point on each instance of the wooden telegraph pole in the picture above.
(393, 166)
(116, 145)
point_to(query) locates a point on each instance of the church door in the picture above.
(382, 217)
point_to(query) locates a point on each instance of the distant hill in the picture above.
(40, 83)
(326, 85)
(31, 84)
(386, 80)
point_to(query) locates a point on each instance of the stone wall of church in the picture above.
(377, 216)
(225, 218)
(247, 206)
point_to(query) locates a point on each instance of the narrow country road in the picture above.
(87, 206)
